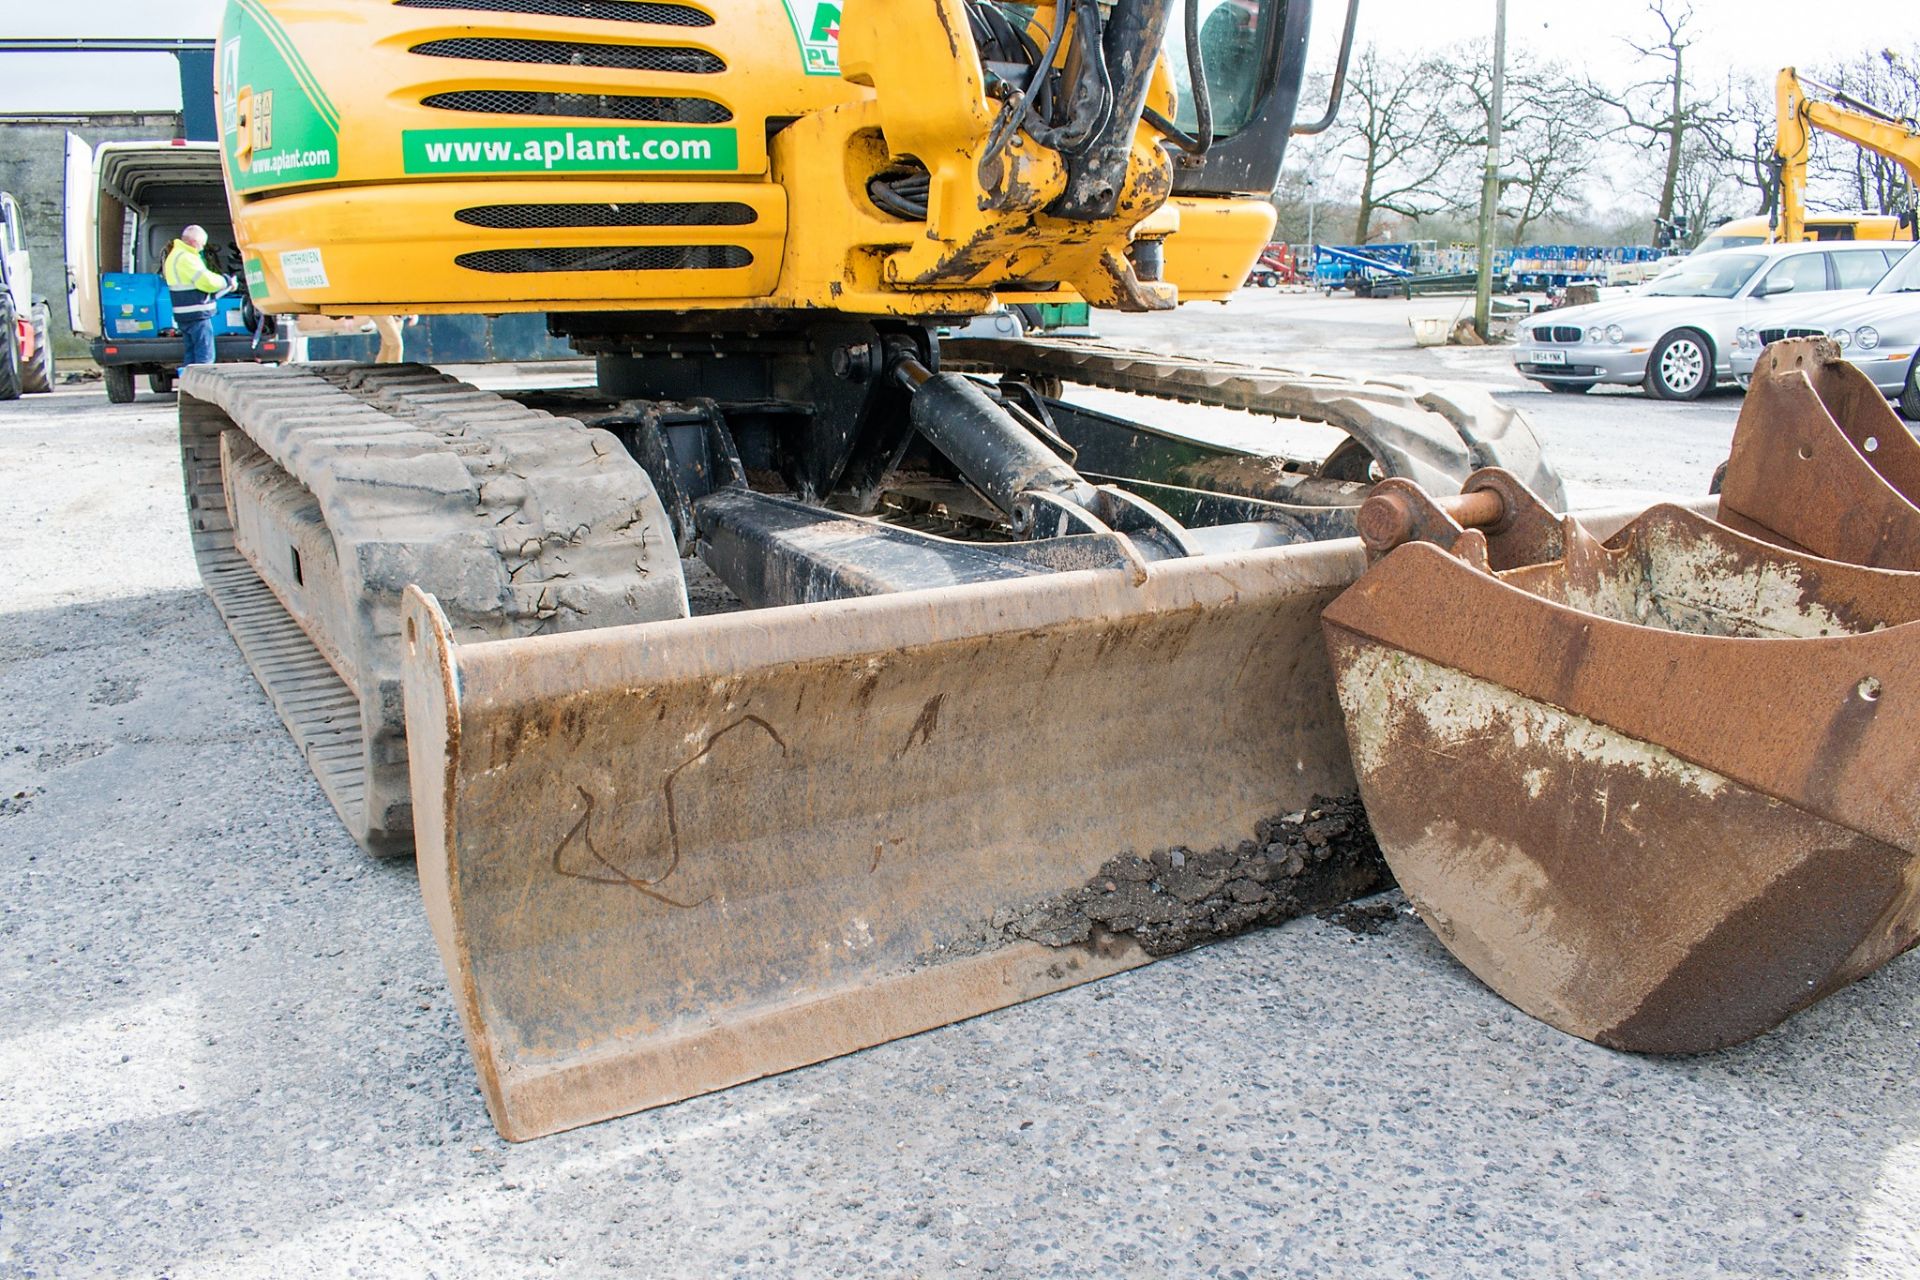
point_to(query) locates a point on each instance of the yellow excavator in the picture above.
(1004, 692)
(1025, 692)
(1804, 106)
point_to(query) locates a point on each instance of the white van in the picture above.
(126, 203)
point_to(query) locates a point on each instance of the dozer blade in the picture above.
(1821, 463)
(666, 858)
(1658, 792)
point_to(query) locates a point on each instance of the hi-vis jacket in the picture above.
(193, 286)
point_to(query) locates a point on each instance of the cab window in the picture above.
(1232, 34)
(1858, 270)
(1808, 271)
(1830, 230)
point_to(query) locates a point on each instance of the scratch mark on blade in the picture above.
(923, 727)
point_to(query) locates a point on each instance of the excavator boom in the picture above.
(1804, 106)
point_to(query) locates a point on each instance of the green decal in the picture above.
(816, 25)
(637, 150)
(277, 125)
(256, 278)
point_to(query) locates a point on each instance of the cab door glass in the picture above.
(1808, 271)
(1859, 270)
(1232, 33)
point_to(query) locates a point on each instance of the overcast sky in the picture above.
(1747, 35)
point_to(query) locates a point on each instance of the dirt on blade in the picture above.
(1178, 898)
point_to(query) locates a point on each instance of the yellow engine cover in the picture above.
(512, 155)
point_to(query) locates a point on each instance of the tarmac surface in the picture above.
(227, 1050)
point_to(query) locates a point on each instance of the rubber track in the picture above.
(318, 708)
(1430, 433)
(520, 522)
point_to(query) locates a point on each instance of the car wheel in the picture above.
(1681, 366)
(1569, 388)
(161, 383)
(38, 376)
(9, 352)
(119, 384)
(1910, 394)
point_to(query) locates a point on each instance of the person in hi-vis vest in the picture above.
(194, 288)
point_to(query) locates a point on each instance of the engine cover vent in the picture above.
(652, 257)
(570, 53)
(584, 106)
(660, 15)
(527, 217)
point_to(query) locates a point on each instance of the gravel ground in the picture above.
(226, 1049)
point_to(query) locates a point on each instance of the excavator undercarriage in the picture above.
(982, 660)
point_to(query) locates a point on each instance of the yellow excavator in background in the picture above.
(1026, 693)
(1804, 106)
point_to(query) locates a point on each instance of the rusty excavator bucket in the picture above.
(1821, 462)
(1657, 791)
(665, 858)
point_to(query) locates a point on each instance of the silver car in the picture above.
(1675, 335)
(1880, 333)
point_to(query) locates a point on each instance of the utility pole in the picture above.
(1490, 185)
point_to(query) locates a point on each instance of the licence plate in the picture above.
(1546, 357)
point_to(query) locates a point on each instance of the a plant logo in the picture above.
(816, 25)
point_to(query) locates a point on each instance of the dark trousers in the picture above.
(197, 331)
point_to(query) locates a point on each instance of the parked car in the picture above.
(1880, 333)
(1675, 334)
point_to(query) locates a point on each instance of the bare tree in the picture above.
(1706, 189)
(1850, 176)
(1661, 113)
(1739, 142)
(1307, 201)
(1550, 126)
(1394, 128)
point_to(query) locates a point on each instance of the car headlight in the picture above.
(1867, 337)
(1843, 338)
(1596, 334)
(1742, 338)
(1616, 334)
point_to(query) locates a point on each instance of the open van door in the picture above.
(83, 272)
